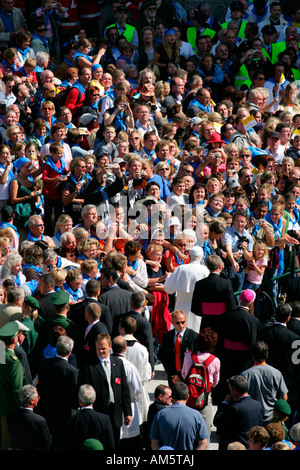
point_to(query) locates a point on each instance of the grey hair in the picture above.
(86, 394)
(27, 393)
(32, 220)
(64, 345)
(41, 57)
(49, 254)
(65, 235)
(11, 260)
(86, 208)
(14, 294)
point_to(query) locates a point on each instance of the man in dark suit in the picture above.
(46, 290)
(185, 338)
(57, 387)
(29, 431)
(95, 327)
(213, 296)
(162, 398)
(108, 378)
(112, 295)
(237, 414)
(240, 329)
(283, 345)
(144, 330)
(77, 311)
(294, 322)
(88, 423)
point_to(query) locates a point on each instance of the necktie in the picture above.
(177, 352)
(108, 375)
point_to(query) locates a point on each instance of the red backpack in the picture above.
(198, 382)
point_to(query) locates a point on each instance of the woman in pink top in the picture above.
(204, 346)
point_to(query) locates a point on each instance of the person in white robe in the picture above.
(182, 282)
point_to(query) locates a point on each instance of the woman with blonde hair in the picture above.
(64, 224)
(290, 99)
(161, 90)
(168, 51)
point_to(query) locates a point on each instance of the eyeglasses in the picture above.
(40, 225)
(260, 78)
(164, 169)
(134, 138)
(248, 156)
(189, 171)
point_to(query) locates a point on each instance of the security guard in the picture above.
(11, 378)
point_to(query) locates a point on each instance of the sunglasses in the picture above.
(180, 322)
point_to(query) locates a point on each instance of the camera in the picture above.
(257, 222)
(242, 239)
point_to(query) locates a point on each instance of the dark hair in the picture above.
(259, 351)
(180, 391)
(282, 313)
(110, 273)
(239, 383)
(206, 340)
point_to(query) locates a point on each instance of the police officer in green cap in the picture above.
(11, 378)
(60, 301)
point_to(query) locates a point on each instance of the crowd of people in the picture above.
(149, 199)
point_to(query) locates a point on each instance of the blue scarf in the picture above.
(66, 61)
(24, 53)
(32, 238)
(128, 61)
(31, 266)
(277, 228)
(79, 86)
(80, 54)
(13, 67)
(17, 280)
(41, 139)
(297, 217)
(149, 153)
(51, 163)
(72, 177)
(43, 39)
(10, 172)
(7, 225)
(119, 123)
(195, 102)
(211, 212)
(207, 249)
(75, 294)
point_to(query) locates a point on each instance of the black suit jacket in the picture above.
(166, 352)
(88, 423)
(213, 289)
(22, 356)
(57, 387)
(88, 355)
(76, 314)
(294, 325)
(46, 308)
(234, 421)
(95, 376)
(117, 299)
(282, 349)
(143, 333)
(29, 430)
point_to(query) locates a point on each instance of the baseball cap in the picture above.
(86, 119)
(233, 183)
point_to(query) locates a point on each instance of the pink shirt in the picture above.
(213, 368)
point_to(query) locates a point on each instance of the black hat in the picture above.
(122, 8)
(275, 134)
(269, 29)
(7, 212)
(236, 5)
